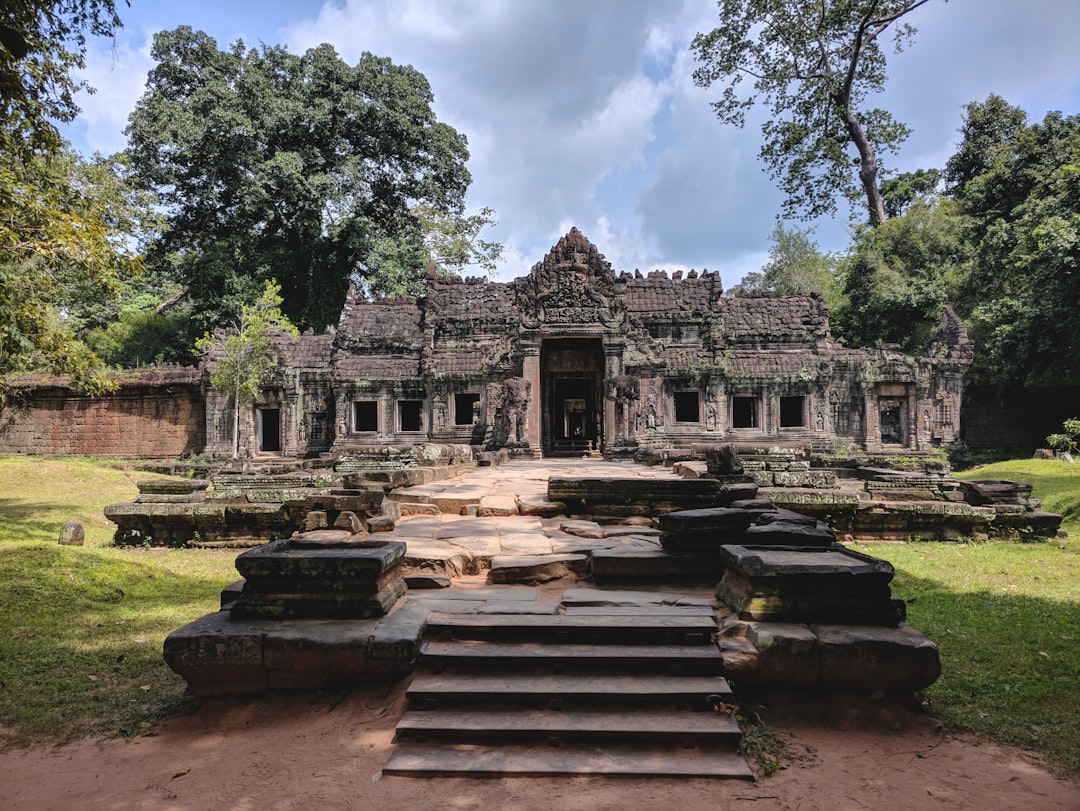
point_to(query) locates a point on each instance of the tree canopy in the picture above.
(41, 43)
(273, 165)
(67, 222)
(813, 65)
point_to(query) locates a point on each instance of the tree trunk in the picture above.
(868, 167)
(236, 424)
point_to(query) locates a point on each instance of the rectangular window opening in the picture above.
(687, 406)
(365, 415)
(792, 413)
(466, 408)
(744, 412)
(410, 415)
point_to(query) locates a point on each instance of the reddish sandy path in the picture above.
(308, 752)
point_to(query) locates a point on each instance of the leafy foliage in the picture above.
(244, 359)
(899, 276)
(41, 43)
(1068, 441)
(65, 237)
(273, 165)
(1021, 194)
(813, 66)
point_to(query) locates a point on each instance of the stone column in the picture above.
(612, 368)
(530, 370)
(872, 422)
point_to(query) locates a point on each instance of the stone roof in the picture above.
(656, 293)
(766, 320)
(382, 324)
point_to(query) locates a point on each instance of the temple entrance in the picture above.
(572, 404)
(269, 430)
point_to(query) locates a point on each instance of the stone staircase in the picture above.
(617, 691)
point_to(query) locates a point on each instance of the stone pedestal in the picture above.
(296, 578)
(808, 585)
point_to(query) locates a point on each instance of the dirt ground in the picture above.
(326, 752)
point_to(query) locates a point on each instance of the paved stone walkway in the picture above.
(476, 521)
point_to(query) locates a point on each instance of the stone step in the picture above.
(431, 690)
(605, 629)
(627, 566)
(542, 761)
(677, 728)
(675, 659)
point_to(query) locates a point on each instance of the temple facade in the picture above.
(575, 358)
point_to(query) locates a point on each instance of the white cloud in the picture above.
(584, 113)
(117, 72)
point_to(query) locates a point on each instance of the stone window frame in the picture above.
(782, 412)
(755, 411)
(420, 413)
(675, 408)
(475, 400)
(354, 425)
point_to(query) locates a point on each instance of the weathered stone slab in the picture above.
(466, 528)
(635, 565)
(300, 558)
(582, 529)
(716, 518)
(315, 654)
(335, 600)
(620, 490)
(439, 557)
(427, 581)
(177, 487)
(802, 584)
(526, 543)
(497, 505)
(873, 658)
(983, 492)
(787, 654)
(537, 568)
(785, 533)
(217, 656)
(539, 505)
(621, 598)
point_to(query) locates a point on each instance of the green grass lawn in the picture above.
(81, 628)
(1006, 617)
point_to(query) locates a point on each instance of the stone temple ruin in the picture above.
(573, 359)
(428, 503)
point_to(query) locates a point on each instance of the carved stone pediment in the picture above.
(573, 285)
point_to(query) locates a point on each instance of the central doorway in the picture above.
(572, 405)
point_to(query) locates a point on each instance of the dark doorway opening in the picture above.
(571, 372)
(269, 430)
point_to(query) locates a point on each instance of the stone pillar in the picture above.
(388, 416)
(872, 422)
(531, 372)
(612, 368)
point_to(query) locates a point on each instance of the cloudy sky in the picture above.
(583, 112)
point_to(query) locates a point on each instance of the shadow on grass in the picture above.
(80, 640)
(1010, 664)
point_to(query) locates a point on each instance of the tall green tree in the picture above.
(243, 360)
(65, 238)
(797, 266)
(813, 65)
(293, 167)
(1020, 186)
(65, 223)
(897, 277)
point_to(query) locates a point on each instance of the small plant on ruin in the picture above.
(1069, 440)
(243, 359)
